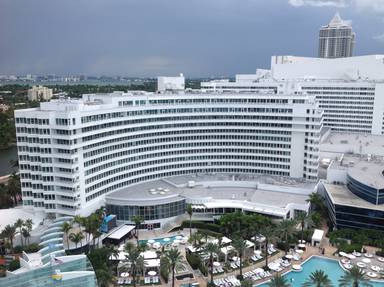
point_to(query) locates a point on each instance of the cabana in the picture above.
(317, 237)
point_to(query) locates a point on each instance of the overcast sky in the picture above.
(166, 37)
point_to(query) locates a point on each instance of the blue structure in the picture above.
(50, 266)
(109, 222)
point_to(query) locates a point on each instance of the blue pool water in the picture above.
(160, 240)
(330, 267)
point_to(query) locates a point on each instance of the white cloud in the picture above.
(379, 38)
(319, 3)
(376, 6)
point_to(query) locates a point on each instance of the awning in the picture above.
(121, 232)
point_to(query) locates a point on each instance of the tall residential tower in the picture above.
(336, 40)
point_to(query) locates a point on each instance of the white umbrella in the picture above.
(296, 267)
(375, 268)
(381, 259)
(299, 251)
(179, 237)
(341, 253)
(151, 241)
(350, 256)
(235, 258)
(372, 274)
(124, 274)
(216, 264)
(156, 245)
(301, 245)
(301, 241)
(152, 273)
(361, 264)
(257, 251)
(366, 260)
(166, 239)
(289, 256)
(368, 255)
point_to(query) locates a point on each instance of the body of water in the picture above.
(6, 155)
(329, 266)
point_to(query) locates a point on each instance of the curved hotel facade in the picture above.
(73, 152)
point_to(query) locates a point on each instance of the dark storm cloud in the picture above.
(157, 37)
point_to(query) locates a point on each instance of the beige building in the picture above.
(38, 93)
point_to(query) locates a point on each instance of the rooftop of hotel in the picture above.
(366, 169)
(341, 195)
(220, 190)
(338, 142)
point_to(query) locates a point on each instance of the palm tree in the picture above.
(316, 201)
(9, 232)
(286, 228)
(66, 227)
(174, 257)
(278, 281)
(134, 257)
(212, 249)
(269, 233)
(355, 278)
(79, 220)
(26, 234)
(318, 278)
(240, 245)
(304, 220)
(196, 240)
(76, 237)
(190, 212)
(19, 224)
(13, 187)
(137, 219)
(104, 277)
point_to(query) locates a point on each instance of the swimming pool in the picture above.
(161, 240)
(331, 268)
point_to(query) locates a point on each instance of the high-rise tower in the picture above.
(336, 40)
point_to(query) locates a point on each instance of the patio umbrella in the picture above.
(166, 239)
(152, 273)
(350, 256)
(216, 264)
(124, 274)
(341, 253)
(366, 260)
(235, 258)
(299, 251)
(151, 241)
(289, 256)
(156, 245)
(179, 237)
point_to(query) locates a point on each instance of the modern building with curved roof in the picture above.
(74, 152)
(161, 202)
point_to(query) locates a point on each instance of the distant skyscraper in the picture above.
(336, 40)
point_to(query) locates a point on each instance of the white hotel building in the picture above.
(73, 152)
(350, 91)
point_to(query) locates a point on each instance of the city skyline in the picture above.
(150, 38)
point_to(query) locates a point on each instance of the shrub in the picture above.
(18, 249)
(203, 269)
(202, 225)
(31, 248)
(193, 260)
(14, 264)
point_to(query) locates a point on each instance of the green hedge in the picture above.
(202, 225)
(193, 260)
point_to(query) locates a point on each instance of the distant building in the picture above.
(170, 83)
(348, 90)
(336, 40)
(38, 93)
